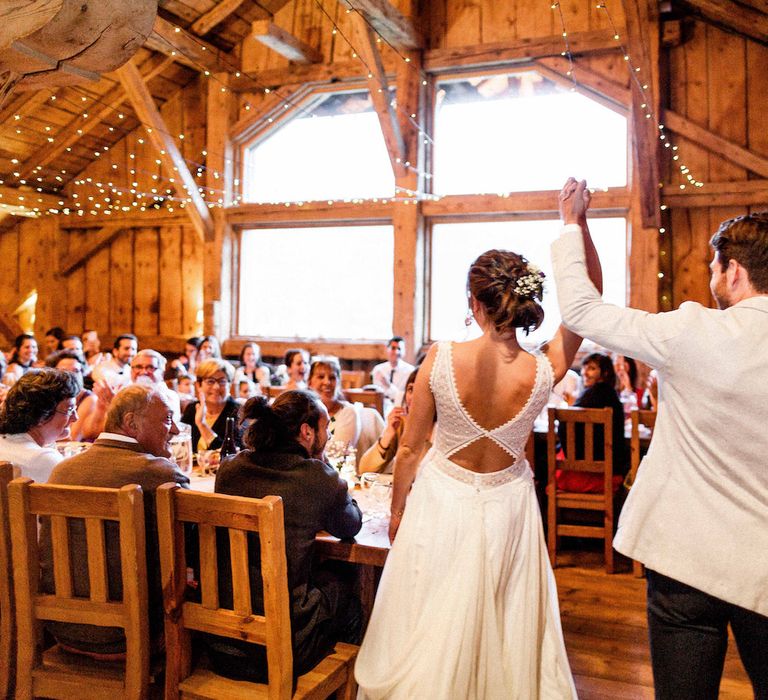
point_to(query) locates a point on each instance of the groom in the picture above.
(697, 515)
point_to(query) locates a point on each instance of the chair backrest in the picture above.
(353, 378)
(639, 417)
(240, 516)
(273, 392)
(367, 397)
(7, 624)
(588, 419)
(66, 506)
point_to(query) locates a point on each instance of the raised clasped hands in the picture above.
(574, 201)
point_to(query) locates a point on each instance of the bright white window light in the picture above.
(321, 282)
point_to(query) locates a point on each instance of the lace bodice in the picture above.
(456, 428)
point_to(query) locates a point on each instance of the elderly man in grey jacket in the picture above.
(133, 449)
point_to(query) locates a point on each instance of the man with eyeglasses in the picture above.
(133, 449)
(147, 369)
(38, 410)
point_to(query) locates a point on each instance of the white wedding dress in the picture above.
(467, 605)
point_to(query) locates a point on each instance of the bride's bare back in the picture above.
(494, 382)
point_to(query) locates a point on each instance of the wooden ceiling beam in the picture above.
(216, 15)
(747, 21)
(388, 22)
(598, 86)
(733, 152)
(77, 127)
(518, 51)
(169, 153)
(284, 43)
(378, 87)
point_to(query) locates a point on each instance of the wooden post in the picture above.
(407, 218)
(218, 260)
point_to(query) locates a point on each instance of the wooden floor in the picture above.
(606, 633)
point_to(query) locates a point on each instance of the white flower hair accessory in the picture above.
(531, 284)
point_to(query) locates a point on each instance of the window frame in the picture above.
(455, 208)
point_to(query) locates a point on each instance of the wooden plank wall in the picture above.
(716, 80)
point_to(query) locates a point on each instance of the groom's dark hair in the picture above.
(745, 240)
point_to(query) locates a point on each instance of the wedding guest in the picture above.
(134, 449)
(599, 380)
(189, 359)
(86, 401)
(52, 341)
(116, 371)
(38, 410)
(92, 348)
(251, 367)
(628, 381)
(209, 347)
(23, 355)
(208, 415)
(380, 456)
(296, 363)
(391, 376)
(351, 423)
(697, 514)
(285, 444)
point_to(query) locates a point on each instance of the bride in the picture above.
(467, 605)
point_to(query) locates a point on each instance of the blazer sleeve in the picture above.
(651, 338)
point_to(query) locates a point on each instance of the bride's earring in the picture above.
(468, 318)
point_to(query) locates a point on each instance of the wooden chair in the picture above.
(648, 419)
(273, 392)
(175, 507)
(367, 397)
(353, 379)
(603, 502)
(7, 623)
(56, 673)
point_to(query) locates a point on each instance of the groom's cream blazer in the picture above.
(698, 511)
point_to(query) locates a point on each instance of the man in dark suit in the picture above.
(133, 449)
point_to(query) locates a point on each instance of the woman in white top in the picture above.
(356, 425)
(296, 363)
(251, 367)
(38, 410)
(467, 606)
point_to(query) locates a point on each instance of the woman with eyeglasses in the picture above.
(208, 415)
(38, 410)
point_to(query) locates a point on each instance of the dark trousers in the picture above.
(689, 636)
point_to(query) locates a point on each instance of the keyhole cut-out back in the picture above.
(457, 429)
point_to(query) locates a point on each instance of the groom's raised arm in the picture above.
(632, 332)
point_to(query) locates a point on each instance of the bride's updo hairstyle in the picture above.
(509, 288)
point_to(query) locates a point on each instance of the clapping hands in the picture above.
(574, 201)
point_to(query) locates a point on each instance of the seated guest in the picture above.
(23, 356)
(134, 449)
(71, 342)
(251, 367)
(208, 415)
(284, 458)
(116, 371)
(627, 382)
(188, 360)
(92, 349)
(147, 369)
(296, 363)
(86, 401)
(380, 456)
(246, 389)
(391, 376)
(599, 379)
(351, 423)
(209, 347)
(52, 341)
(38, 410)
